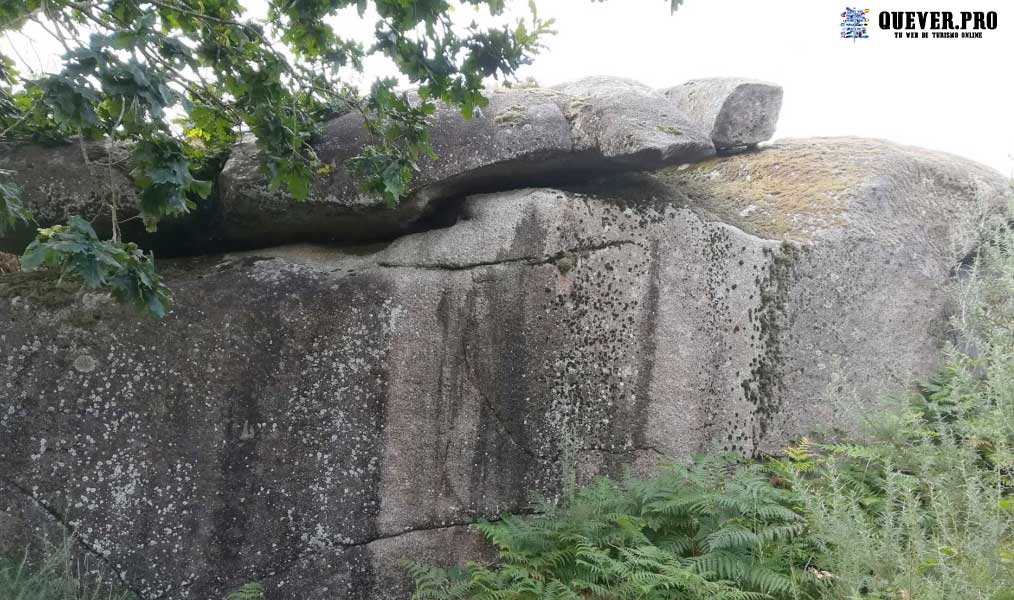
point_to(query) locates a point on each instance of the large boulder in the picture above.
(308, 416)
(734, 112)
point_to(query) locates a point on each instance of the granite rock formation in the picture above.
(310, 414)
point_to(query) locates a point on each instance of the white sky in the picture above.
(948, 94)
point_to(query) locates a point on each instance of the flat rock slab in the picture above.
(525, 137)
(734, 112)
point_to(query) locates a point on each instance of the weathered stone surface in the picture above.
(9, 263)
(630, 123)
(308, 416)
(525, 137)
(58, 183)
(185, 488)
(734, 112)
(25, 526)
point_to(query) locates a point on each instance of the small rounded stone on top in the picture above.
(735, 112)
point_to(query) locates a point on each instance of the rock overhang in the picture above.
(525, 137)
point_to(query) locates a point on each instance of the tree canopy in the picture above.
(181, 79)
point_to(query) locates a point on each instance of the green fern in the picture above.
(717, 529)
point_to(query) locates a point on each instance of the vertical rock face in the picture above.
(308, 416)
(171, 461)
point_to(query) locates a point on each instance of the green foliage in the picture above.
(248, 591)
(130, 64)
(145, 58)
(920, 506)
(58, 576)
(79, 255)
(388, 170)
(161, 171)
(717, 529)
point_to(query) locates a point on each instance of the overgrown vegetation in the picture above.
(62, 573)
(919, 506)
(76, 251)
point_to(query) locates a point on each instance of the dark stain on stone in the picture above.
(498, 361)
(239, 456)
(450, 387)
(648, 333)
(764, 386)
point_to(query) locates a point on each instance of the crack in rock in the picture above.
(625, 451)
(61, 520)
(390, 536)
(528, 260)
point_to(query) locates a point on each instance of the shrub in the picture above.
(922, 505)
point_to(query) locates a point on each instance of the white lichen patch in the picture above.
(206, 429)
(85, 363)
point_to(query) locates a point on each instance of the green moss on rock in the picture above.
(790, 190)
(512, 116)
(41, 288)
